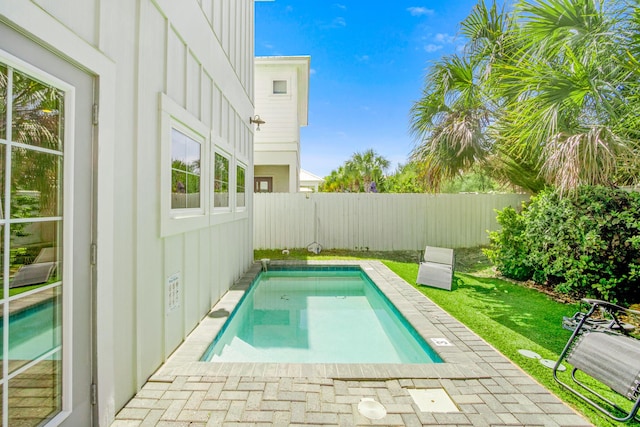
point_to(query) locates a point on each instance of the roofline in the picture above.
(312, 175)
(279, 58)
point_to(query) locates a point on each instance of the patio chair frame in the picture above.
(615, 330)
(437, 268)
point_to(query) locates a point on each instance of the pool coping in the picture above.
(460, 354)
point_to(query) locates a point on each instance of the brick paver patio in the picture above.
(487, 388)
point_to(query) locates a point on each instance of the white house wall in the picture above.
(196, 56)
(269, 164)
(280, 113)
(280, 174)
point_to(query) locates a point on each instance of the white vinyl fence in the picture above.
(380, 222)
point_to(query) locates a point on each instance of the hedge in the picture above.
(586, 244)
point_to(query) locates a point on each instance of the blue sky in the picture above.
(368, 62)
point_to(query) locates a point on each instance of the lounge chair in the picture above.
(40, 271)
(437, 268)
(602, 346)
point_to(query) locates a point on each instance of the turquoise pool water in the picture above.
(319, 315)
(34, 331)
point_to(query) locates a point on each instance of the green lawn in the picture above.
(507, 315)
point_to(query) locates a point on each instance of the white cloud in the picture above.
(362, 58)
(420, 11)
(445, 38)
(432, 47)
(340, 6)
(339, 22)
(437, 42)
(312, 71)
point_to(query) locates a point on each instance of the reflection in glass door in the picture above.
(31, 218)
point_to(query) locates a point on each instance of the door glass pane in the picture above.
(1, 264)
(36, 184)
(36, 256)
(1, 333)
(37, 113)
(34, 327)
(35, 395)
(3, 148)
(3, 101)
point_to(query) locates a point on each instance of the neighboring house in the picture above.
(127, 147)
(281, 100)
(309, 181)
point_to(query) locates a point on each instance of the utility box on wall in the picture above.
(173, 292)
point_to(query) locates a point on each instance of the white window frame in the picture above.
(273, 87)
(240, 164)
(173, 116)
(182, 211)
(222, 209)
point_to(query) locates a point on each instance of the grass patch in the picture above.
(21, 289)
(507, 315)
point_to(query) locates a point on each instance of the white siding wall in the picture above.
(280, 111)
(213, 86)
(278, 142)
(279, 175)
(382, 222)
(199, 54)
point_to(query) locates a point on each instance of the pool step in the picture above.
(236, 351)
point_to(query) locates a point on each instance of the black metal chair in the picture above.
(603, 347)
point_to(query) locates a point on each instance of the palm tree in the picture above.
(336, 182)
(369, 167)
(450, 120)
(357, 173)
(564, 91)
(548, 94)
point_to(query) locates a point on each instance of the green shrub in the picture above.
(508, 250)
(585, 244)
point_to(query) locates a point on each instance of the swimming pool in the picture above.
(317, 315)
(34, 331)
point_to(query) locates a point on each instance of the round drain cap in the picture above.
(530, 354)
(551, 363)
(371, 409)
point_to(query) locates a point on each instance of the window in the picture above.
(279, 87)
(185, 167)
(185, 171)
(221, 182)
(262, 184)
(240, 187)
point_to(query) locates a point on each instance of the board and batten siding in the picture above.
(380, 222)
(196, 56)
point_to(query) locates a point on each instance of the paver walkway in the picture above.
(487, 389)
